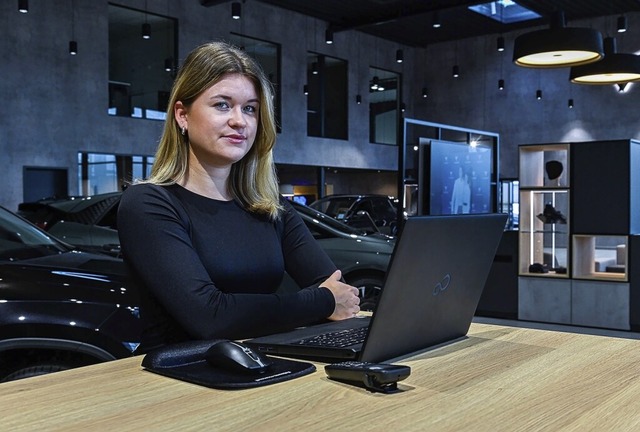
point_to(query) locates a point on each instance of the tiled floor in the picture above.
(558, 327)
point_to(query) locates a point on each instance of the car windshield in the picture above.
(334, 206)
(328, 220)
(21, 240)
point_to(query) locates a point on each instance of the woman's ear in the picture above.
(180, 113)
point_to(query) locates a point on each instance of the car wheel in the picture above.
(31, 371)
(369, 288)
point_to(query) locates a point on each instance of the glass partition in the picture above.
(102, 172)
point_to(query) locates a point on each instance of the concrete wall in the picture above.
(54, 104)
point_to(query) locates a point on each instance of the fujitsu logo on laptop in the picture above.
(442, 285)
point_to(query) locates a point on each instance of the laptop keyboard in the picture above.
(336, 339)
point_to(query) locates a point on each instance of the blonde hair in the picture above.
(253, 182)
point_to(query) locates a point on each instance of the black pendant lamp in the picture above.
(613, 69)
(558, 46)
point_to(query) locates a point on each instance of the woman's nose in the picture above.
(237, 118)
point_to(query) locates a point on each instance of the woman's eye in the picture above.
(221, 105)
(251, 109)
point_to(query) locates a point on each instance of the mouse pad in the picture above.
(185, 361)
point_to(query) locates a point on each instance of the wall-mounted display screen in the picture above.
(456, 176)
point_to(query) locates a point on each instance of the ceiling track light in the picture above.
(146, 31)
(425, 92)
(455, 71)
(399, 56)
(314, 68)
(500, 84)
(358, 99)
(622, 24)
(328, 36)
(73, 47)
(23, 6)
(558, 46)
(570, 103)
(500, 43)
(305, 89)
(539, 94)
(236, 10)
(613, 69)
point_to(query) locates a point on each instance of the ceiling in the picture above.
(408, 22)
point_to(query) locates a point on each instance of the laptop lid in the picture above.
(432, 288)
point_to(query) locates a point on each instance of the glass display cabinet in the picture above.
(544, 211)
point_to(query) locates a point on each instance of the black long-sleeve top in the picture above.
(210, 269)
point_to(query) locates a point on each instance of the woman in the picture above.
(207, 237)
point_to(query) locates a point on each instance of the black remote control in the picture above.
(374, 376)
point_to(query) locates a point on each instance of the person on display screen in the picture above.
(207, 238)
(461, 195)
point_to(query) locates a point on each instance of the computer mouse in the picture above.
(236, 357)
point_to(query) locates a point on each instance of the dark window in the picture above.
(141, 71)
(384, 91)
(327, 97)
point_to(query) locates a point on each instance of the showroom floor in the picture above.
(558, 327)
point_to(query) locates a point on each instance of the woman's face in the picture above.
(222, 121)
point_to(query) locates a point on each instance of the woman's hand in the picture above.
(346, 297)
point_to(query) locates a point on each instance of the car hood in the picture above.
(73, 275)
(379, 244)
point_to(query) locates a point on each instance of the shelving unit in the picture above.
(580, 220)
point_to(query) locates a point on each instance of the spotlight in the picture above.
(375, 83)
(500, 43)
(436, 20)
(146, 31)
(236, 10)
(570, 103)
(358, 99)
(425, 92)
(73, 47)
(305, 89)
(399, 56)
(328, 37)
(23, 6)
(538, 94)
(456, 71)
(622, 24)
(500, 84)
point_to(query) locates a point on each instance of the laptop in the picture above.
(433, 285)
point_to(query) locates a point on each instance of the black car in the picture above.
(90, 223)
(370, 212)
(60, 308)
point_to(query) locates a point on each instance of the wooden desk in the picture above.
(498, 379)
